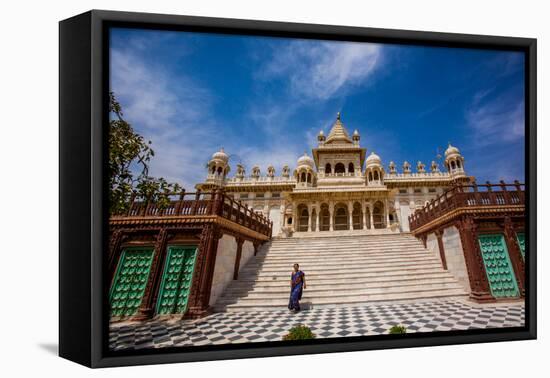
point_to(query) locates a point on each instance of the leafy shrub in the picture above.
(300, 332)
(398, 330)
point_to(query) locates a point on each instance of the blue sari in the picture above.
(297, 280)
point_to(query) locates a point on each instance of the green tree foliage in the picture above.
(129, 154)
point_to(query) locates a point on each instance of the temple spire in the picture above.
(338, 133)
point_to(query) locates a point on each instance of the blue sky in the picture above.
(265, 99)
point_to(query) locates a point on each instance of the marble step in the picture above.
(316, 287)
(316, 295)
(363, 292)
(346, 278)
(358, 272)
(381, 244)
(368, 239)
(354, 239)
(320, 252)
(259, 305)
(343, 268)
(367, 259)
(358, 234)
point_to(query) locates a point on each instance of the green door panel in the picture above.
(521, 241)
(500, 273)
(130, 280)
(176, 280)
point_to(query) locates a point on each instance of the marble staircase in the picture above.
(340, 270)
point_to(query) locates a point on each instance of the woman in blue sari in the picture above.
(297, 285)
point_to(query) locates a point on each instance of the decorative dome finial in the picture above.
(338, 116)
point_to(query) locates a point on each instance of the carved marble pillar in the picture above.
(387, 206)
(331, 215)
(309, 218)
(515, 254)
(371, 225)
(317, 215)
(294, 217)
(364, 209)
(282, 217)
(397, 207)
(350, 215)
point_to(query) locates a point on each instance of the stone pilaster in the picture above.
(439, 236)
(146, 310)
(515, 254)
(479, 284)
(199, 296)
(240, 242)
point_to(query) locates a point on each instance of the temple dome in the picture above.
(452, 150)
(306, 160)
(373, 159)
(220, 155)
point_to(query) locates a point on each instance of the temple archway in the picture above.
(357, 216)
(378, 215)
(341, 217)
(324, 218)
(303, 218)
(339, 168)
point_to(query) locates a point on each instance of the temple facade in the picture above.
(429, 233)
(340, 187)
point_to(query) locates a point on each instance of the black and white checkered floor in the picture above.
(366, 320)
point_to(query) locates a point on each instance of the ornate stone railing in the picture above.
(468, 196)
(417, 175)
(200, 204)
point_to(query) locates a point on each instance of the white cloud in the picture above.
(496, 120)
(323, 70)
(177, 113)
(172, 112)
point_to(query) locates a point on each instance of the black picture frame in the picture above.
(83, 85)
